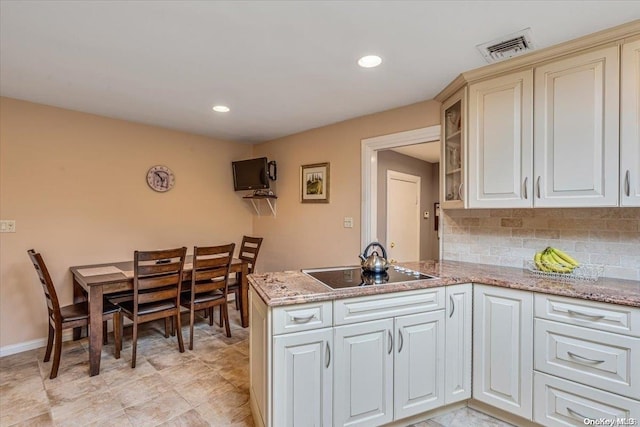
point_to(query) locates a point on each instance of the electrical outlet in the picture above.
(425, 215)
(348, 222)
(8, 226)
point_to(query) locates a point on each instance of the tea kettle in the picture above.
(374, 263)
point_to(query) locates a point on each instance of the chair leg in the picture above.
(166, 327)
(134, 344)
(47, 354)
(192, 315)
(210, 310)
(117, 333)
(221, 322)
(57, 349)
(224, 309)
(237, 298)
(179, 331)
(105, 338)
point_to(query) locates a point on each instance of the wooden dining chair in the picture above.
(209, 284)
(157, 279)
(69, 316)
(249, 249)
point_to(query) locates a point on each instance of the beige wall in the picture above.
(75, 184)
(312, 235)
(429, 194)
(606, 236)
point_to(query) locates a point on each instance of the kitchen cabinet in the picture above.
(586, 360)
(503, 341)
(500, 142)
(452, 159)
(630, 125)
(576, 125)
(458, 342)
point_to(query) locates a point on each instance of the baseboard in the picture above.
(255, 412)
(8, 350)
(500, 414)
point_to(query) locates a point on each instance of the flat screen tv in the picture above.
(252, 174)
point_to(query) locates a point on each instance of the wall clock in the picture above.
(160, 178)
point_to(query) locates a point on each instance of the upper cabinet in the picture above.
(630, 125)
(576, 119)
(501, 141)
(559, 127)
(452, 164)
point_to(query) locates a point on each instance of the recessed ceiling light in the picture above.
(369, 61)
(221, 109)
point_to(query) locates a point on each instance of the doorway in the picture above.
(403, 216)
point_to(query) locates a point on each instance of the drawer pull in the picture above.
(298, 319)
(453, 305)
(577, 415)
(328, 355)
(577, 356)
(390, 341)
(587, 315)
(401, 340)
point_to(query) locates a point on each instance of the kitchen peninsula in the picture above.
(388, 354)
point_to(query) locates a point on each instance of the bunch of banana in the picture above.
(554, 260)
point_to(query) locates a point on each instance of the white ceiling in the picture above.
(281, 66)
(429, 151)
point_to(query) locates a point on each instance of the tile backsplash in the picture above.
(607, 236)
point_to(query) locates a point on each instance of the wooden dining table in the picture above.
(92, 282)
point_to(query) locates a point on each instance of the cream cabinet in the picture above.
(576, 124)
(630, 125)
(452, 158)
(503, 356)
(458, 321)
(500, 142)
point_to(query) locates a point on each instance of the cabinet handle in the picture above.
(577, 356)
(577, 415)
(526, 195)
(538, 186)
(627, 184)
(401, 340)
(453, 305)
(390, 341)
(460, 191)
(298, 319)
(328, 355)
(587, 315)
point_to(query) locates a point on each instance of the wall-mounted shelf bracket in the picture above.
(270, 199)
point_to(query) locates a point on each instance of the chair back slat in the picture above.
(249, 249)
(211, 268)
(51, 297)
(156, 282)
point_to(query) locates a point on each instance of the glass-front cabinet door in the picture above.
(452, 175)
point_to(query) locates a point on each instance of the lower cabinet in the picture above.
(459, 299)
(303, 378)
(503, 354)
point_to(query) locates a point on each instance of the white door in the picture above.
(576, 123)
(403, 217)
(363, 374)
(457, 381)
(501, 142)
(303, 379)
(630, 125)
(419, 363)
(502, 348)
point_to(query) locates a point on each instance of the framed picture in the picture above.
(314, 183)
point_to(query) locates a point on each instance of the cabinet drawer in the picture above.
(361, 309)
(607, 361)
(559, 402)
(302, 317)
(596, 315)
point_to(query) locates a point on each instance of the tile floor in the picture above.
(208, 386)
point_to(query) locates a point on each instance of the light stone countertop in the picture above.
(295, 287)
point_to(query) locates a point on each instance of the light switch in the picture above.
(348, 222)
(8, 226)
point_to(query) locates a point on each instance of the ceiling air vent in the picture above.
(508, 46)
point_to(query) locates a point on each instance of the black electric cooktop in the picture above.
(351, 277)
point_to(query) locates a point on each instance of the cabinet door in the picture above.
(303, 379)
(457, 383)
(452, 164)
(419, 363)
(363, 373)
(630, 125)
(501, 142)
(576, 123)
(503, 342)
